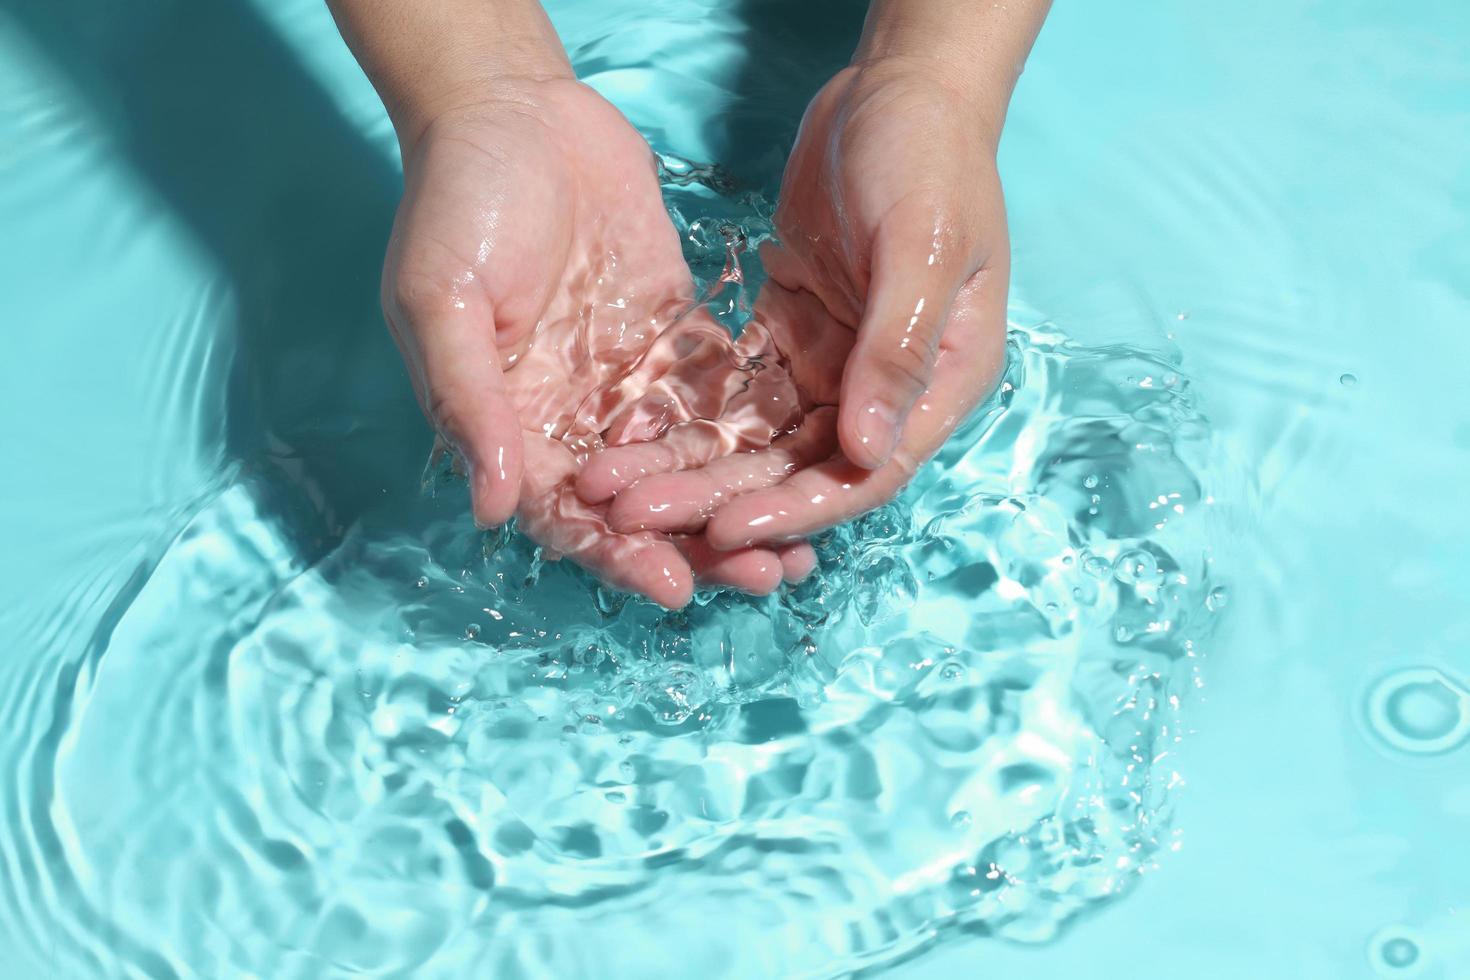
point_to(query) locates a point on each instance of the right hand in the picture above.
(537, 291)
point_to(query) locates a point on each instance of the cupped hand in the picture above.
(885, 304)
(536, 288)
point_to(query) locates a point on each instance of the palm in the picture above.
(886, 291)
(534, 228)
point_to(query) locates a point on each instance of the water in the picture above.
(1173, 632)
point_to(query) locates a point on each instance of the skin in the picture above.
(536, 289)
(534, 283)
(887, 293)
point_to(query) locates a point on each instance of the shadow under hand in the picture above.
(791, 50)
(219, 116)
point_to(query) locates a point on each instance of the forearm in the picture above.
(427, 57)
(977, 47)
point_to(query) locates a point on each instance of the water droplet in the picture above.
(471, 631)
(1090, 480)
(421, 583)
(960, 818)
(1182, 315)
(1218, 599)
(1137, 567)
(617, 796)
(951, 672)
(1348, 380)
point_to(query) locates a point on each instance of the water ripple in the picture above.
(965, 720)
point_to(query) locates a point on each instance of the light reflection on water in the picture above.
(277, 712)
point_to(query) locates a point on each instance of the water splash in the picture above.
(965, 720)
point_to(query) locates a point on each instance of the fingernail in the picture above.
(877, 428)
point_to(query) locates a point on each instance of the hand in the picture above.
(886, 304)
(536, 288)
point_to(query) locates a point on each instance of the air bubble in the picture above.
(1218, 599)
(1400, 952)
(1090, 481)
(1396, 952)
(960, 818)
(472, 631)
(1420, 710)
(1348, 380)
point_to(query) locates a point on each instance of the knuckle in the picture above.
(909, 368)
(905, 466)
(446, 410)
(411, 297)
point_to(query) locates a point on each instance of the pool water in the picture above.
(1160, 669)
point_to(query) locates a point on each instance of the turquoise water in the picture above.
(1160, 670)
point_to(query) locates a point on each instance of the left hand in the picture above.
(886, 303)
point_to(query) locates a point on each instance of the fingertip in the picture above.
(595, 482)
(663, 576)
(869, 432)
(754, 572)
(678, 593)
(797, 562)
(611, 471)
(495, 489)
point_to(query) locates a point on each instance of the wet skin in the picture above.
(536, 288)
(886, 305)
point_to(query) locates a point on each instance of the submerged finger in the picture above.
(687, 445)
(645, 562)
(970, 360)
(797, 561)
(684, 500)
(757, 571)
(749, 422)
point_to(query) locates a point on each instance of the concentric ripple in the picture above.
(414, 749)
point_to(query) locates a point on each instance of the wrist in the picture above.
(974, 52)
(430, 58)
(465, 89)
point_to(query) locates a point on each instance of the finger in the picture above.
(757, 571)
(646, 563)
(797, 561)
(750, 422)
(766, 406)
(683, 501)
(691, 444)
(463, 392)
(837, 489)
(913, 286)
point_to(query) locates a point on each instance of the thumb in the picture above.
(463, 391)
(892, 362)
